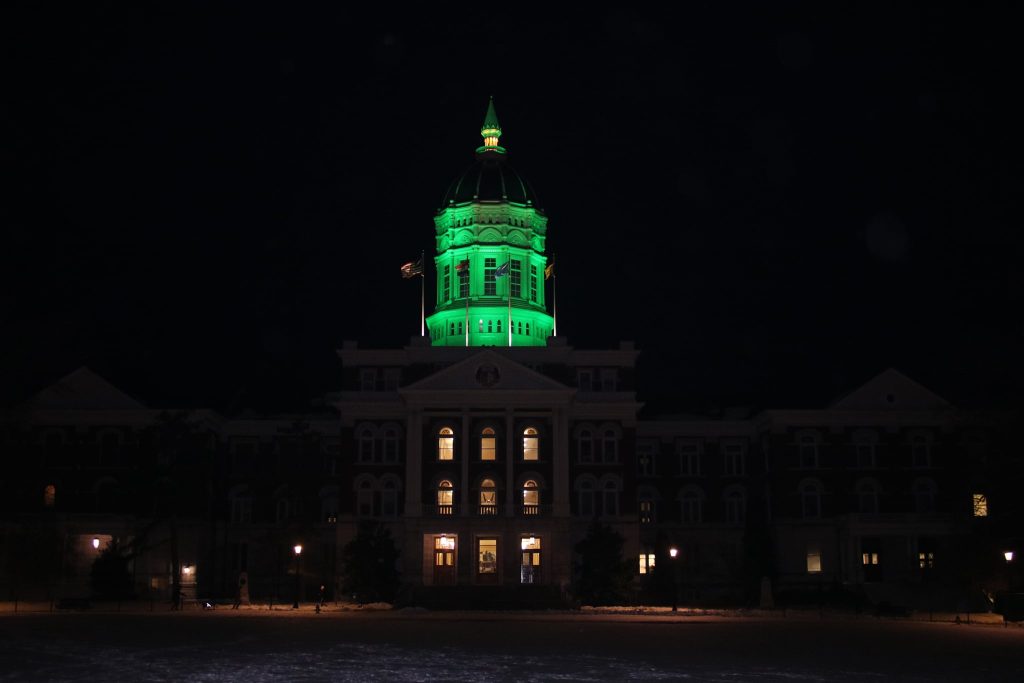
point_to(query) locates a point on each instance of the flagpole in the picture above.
(423, 297)
(509, 278)
(554, 297)
(468, 281)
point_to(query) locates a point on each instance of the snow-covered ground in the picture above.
(482, 647)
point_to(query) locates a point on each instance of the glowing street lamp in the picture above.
(298, 551)
(673, 553)
(1008, 555)
(96, 543)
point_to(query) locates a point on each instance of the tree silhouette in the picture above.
(369, 573)
(110, 577)
(602, 575)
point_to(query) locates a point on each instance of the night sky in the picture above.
(775, 201)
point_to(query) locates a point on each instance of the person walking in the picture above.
(320, 598)
(238, 592)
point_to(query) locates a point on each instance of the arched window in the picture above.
(692, 503)
(283, 509)
(924, 495)
(531, 497)
(585, 491)
(647, 498)
(446, 444)
(390, 443)
(488, 444)
(49, 495)
(445, 497)
(610, 498)
(488, 497)
(241, 505)
(364, 497)
(329, 505)
(531, 444)
(735, 506)
(365, 444)
(867, 497)
(585, 445)
(389, 496)
(810, 499)
(610, 445)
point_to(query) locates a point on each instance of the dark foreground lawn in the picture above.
(482, 647)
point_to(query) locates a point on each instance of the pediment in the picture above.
(486, 371)
(891, 390)
(83, 389)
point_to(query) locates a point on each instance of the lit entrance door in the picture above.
(529, 569)
(444, 560)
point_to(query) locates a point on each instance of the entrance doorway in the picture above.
(444, 560)
(529, 569)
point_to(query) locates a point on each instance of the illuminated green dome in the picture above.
(490, 237)
(490, 178)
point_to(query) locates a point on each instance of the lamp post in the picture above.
(1008, 556)
(298, 551)
(673, 553)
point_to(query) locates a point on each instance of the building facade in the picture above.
(488, 446)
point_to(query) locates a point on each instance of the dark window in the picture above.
(490, 285)
(516, 280)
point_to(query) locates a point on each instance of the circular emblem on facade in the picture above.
(488, 375)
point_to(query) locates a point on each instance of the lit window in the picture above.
(530, 444)
(446, 444)
(444, 497)
(646, 562)
(869, 559)
(646, 511)
(488, 446)
(487, 556)
(813, 560)
(49, 496)
(531, 497)
(926, 560)
(980, 502)
(488, 497)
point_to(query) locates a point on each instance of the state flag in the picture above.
(549, 271)
(502, 270)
